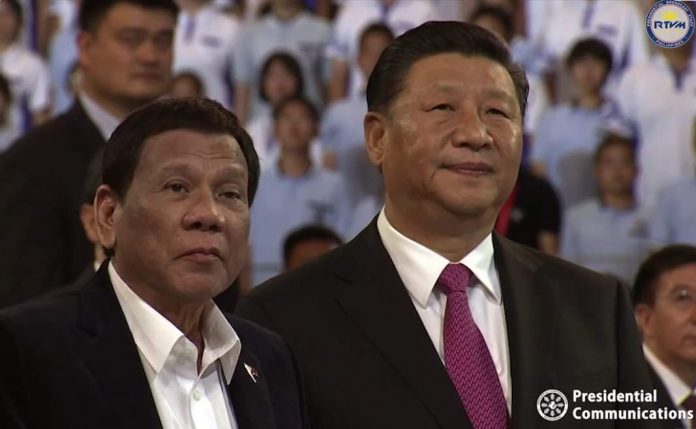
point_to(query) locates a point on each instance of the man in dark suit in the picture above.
(664, 295)
(427, 319)
(125, 57)
(143, 345)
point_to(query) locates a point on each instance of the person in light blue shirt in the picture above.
(608, 234)
(342, 131)
(294, 191)
(568, 135)
(674, 218)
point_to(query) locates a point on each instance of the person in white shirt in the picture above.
(26, 71)
(352, 19)
(142, 344)
(664, 296)
(657, 98)
(204, 43)
(288, 28)
(8, 133)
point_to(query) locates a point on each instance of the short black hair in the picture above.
(291, 65)
(5, 90)
(93, 11)
(668, 259)
(16, 8)
(122, 151)
(311, 108)
(612, 139)
(375, 28)
(590, 47)
(305, 233)
(495, 12)
(437, 37)
(94, 178)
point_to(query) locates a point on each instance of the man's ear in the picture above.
(84, 42)
(375, 137)
(644, 313)
(107, 209)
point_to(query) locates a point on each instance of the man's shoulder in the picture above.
(41, 316)
(316, 279)
(43, 143)
(258, 339)
(552, 269)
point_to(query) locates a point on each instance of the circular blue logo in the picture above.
(669, 23)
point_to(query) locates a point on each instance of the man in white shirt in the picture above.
(204, 44)
(142, 344)
(664, 295)
(427, 312)
(26, 71)
(125, 57)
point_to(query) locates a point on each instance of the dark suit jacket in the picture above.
(42, 243)
(368, 361)
(664, 400)
(70, 361)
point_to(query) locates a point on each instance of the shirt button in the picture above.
(196, 394)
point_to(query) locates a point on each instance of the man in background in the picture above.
(125, 55)
(306, 243)
(664, 296)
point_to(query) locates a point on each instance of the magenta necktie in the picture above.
(467, 358)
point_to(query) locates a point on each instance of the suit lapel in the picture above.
(111, 355)
(530, 319)
(249, 395)
(389, 320)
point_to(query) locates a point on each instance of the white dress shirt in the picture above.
(184, 398)
(419, 269)
(105, 122)
(677, 389)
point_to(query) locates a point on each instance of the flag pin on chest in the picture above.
(253, 373)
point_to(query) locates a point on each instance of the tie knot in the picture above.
(454, 278)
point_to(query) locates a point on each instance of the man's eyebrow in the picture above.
(500, 94)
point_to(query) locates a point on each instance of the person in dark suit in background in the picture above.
(125, 57)
(664, 295)
(142, 345)
(427, 319)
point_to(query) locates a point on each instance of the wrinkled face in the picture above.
(589, 74)
(616, 170)
(9, 24)
(181, 231)
(669, 325)
(452, 143)
(129, 55)
(279, 83)
(295, 127)
(372, 46)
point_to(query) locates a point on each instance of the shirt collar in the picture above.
(156, 336)
(420, 267)
(677, 389)
(105, 121)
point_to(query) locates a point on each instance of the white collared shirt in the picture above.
(105, 122)
(677, 389)
(184, 398)
(419, 269)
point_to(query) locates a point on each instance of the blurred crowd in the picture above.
(609, 167)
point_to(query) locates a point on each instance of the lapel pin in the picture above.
(253, 373)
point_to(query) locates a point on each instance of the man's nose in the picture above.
(471, 130)
(204, 213)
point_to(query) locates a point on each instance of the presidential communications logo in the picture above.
(670, 23)
(552, 405)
